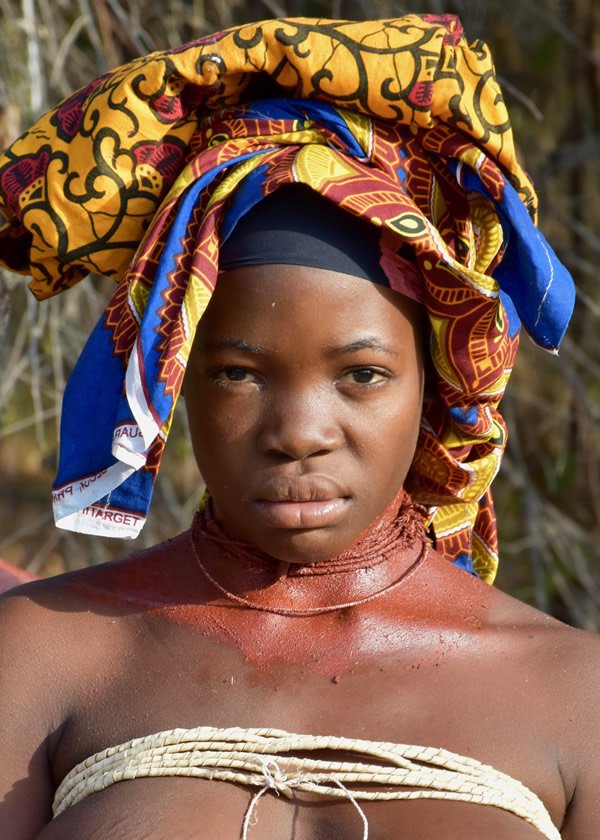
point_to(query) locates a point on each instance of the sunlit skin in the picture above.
(287, 424)
(304, 394)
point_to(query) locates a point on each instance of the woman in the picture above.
(337, 244)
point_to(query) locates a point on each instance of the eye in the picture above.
(232, 376)
(367, 376)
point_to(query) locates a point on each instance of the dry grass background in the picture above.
(548, 494)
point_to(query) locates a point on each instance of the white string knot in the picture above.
(277, 780)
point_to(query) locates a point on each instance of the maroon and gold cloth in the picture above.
(145, 172)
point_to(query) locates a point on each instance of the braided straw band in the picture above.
(264, 758)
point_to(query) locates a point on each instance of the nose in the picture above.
(300, 425)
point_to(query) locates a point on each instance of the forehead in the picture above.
(307, 303)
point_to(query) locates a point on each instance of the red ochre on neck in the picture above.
(249, 578)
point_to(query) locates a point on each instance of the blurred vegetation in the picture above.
(548, 494)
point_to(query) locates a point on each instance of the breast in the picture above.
(191, 809)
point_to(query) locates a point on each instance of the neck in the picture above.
(380, 559)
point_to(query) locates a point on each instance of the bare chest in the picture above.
(436, 688)
(181, 678)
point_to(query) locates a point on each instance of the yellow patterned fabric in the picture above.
(92, 172)
(142, 174)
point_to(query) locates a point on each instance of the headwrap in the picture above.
(142, 174)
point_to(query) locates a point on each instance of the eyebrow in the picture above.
(228, 343)
(366, 343)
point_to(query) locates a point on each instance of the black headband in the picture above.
(297, 226)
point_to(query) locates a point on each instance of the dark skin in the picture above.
(303, 443)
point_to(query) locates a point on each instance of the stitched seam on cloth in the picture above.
(547, 290)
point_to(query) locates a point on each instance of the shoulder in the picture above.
(59, 634)
(45, 626)
(557, 658)
(37, 685)
(555, 650)
(551, 672)
(562, 667)
(572, 661)
(555, 683)
(104, 588)
(56, 617)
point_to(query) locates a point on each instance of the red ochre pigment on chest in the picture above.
(374, 600)
(327, 617)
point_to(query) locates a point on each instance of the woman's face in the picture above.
(303, 394)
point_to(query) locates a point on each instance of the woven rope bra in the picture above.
(268, 759)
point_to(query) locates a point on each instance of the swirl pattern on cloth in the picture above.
(145, 172)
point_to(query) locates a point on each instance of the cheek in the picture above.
(393, 432)
(220, 430)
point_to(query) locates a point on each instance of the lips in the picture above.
(313, 488)
(301, 502)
